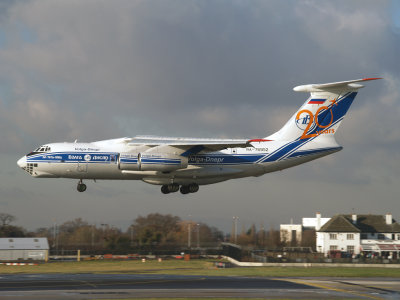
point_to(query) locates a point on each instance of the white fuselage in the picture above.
(104, 160)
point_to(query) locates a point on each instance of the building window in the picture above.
(350, 236)
(398, 237)
(381, 236)
(10, 240)
(333, 236)
(332, 247)
(36, 240)
(364, 236)
(350, 249)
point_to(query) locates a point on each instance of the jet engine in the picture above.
(163, 162)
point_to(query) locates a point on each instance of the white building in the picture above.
(314, 223)
(292, 233)
(354, 234)
(13, 249)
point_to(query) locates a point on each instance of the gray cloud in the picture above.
(98, 69)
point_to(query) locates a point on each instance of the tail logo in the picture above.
(305, 118)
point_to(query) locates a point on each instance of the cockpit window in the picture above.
(41, 149)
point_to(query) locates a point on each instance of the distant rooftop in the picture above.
(363, 224)
(312, 222)
(24, 244)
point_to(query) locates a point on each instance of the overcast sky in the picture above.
(93, 70)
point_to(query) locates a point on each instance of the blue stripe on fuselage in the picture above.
(224, 159)
(72, 157)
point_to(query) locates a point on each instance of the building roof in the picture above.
(364, 224)
(313, 222)
(24, 244)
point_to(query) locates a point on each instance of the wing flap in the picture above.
(188, 143)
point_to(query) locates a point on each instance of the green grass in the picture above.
(206, 298)
(195, 267)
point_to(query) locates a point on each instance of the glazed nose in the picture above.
(22, 162)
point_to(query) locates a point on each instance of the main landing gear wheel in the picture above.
(164, 189)
(81, 187)
(191, 188)
(169, 188)
(185, 189)
(173, 187)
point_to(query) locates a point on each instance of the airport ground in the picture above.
(197, 279)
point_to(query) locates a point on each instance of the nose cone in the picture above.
(22, 162)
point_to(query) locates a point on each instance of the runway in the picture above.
(115, 286)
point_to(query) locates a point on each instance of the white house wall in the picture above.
(324, 242)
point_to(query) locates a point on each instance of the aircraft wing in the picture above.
(194, 144)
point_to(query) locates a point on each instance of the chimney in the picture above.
(354, 218)
(389, 219)
(318, 225)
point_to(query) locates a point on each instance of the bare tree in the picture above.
(6, 219)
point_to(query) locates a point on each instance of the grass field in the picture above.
(195, 267)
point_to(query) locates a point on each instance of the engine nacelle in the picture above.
(163, 162)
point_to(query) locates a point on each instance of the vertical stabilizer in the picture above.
(323, 111)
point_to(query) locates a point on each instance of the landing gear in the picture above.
(191, 188)
(81, 187)
(173, 187)
(169, 188)
(164, 189)
(184, 189)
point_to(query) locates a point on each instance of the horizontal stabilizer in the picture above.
(345, 85)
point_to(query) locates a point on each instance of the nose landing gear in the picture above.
(81, 187)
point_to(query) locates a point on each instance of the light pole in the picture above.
(235, 220)
(131, 231)
(198, 236)
(190, 232)
(262, 236)
(54, 234)
(92, 236)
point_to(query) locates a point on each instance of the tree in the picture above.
(6, 219)
(156, 230)
(309, 239)
(12, 231)
(7, 230)
(72, 226)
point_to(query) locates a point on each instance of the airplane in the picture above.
(183, 164)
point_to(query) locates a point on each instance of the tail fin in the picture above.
(323, 111)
